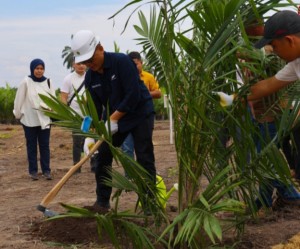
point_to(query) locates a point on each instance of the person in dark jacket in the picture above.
(114, 84)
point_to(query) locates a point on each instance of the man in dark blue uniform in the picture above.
(114, 84)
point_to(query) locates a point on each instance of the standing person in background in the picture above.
(35, 123)
(147, 78)
(125, 105)
(152, 86)
(282, 32)
(72, 82)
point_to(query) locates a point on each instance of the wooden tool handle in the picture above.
(53, 192)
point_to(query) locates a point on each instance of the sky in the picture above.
(41, 29)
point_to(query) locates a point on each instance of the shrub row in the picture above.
(7, 97)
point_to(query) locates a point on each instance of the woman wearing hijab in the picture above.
(36, 125)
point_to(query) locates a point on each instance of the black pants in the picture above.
(78, 142)
(35, 136)
(142, 136)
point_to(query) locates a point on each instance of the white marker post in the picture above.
(167, 105)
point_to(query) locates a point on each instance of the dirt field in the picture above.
(22, 226)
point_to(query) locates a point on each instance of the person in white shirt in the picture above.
(282, 32)
(72, 82)
(36, 125)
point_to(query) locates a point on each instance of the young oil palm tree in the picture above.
(193, 62)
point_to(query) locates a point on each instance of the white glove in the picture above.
(225, 99)
(88, 145)
(113, 126)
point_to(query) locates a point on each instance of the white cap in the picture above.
(83, 45)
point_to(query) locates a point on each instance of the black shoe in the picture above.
(102, 204)
(78, 171)
(102, 208)
(47, 176)
(34, 176)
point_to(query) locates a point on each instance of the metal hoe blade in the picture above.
(47, 213)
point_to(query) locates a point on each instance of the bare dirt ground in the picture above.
(22, 226)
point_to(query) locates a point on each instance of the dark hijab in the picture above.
(33, 65)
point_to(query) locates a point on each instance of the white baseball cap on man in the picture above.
(83, 45)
